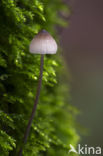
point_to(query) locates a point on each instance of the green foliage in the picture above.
(54, 126)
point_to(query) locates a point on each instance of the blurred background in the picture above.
(82, 42)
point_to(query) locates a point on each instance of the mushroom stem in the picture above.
(35, 105)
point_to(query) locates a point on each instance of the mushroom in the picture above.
(43, 43)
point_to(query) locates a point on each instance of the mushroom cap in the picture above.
(43, 43)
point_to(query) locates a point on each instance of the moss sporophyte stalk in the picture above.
(43, 43)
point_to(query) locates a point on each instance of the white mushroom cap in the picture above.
(43, 43)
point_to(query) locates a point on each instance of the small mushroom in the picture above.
(43, 43)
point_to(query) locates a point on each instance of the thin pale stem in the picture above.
(35, 105)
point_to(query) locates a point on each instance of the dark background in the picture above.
(82, 42)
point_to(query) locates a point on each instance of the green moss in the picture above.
(54, 127)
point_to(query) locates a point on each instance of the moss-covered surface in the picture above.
(54, 127)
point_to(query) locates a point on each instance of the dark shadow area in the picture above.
(83, 51)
